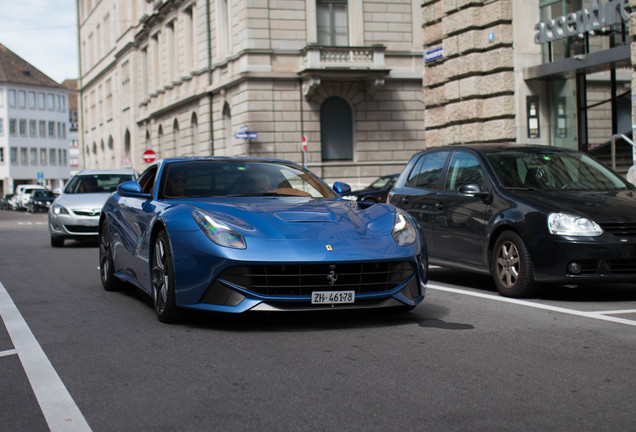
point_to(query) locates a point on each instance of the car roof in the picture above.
(107, 171)
(490, 148)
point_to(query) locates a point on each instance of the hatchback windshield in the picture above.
(553, 171)
(239, 178)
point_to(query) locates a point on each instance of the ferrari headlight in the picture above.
(403, 230)
(569, 225)
(218, 232)
(58, 209)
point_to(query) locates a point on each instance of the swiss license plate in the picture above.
(332, 297)
(88, 222)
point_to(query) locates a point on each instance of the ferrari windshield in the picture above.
(203, 178)
(553, 171)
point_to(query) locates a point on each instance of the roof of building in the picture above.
(15, 70)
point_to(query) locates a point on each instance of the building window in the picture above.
(24, 156)
(14, 155)
(1, 98)
(34, 156)
(13, 127)
(43, 157)
(11, 97)
(21, 99)
(32, 100)
(52, 160)
(51, 102)
(336, 130)
(42, 127)
(23, 127)
(41, 101)
(33, 132)
(1, 126)
(2, 155)
(224, 28)
(332, 22)
(51, 129)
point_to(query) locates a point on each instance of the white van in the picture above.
(23, 194)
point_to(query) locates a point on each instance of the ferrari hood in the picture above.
(300, 218)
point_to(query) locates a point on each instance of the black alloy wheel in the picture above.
(511, 267)
(163, 296)
(110, 282)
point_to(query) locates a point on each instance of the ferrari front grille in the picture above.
(302, 279)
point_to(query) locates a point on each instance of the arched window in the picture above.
(336, 130)
(160, 143)
(194, 122)
(177, 137)
(227, 125)
(110, 157)
(126, 161)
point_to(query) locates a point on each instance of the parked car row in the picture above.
(29, 197)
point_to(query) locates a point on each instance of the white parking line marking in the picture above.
(594, 315)
(60, 411)
(616, 312)
(8, 353)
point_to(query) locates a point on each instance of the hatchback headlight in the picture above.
(403, 230)
(58, 209)
(569, 225)
(218, 232)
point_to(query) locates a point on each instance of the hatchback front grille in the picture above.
(302, 279)
(81, 229)
(620, 229)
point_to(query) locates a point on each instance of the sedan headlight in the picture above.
(218, 232)
(569, 225)
(58, 209)
(403, 230)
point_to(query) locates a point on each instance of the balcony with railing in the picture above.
(333, 63)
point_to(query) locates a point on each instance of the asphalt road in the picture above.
(74, 357)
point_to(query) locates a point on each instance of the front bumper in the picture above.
(202, 281)
(73, 226)
(577, 260)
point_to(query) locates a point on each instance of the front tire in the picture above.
(511, 267)
(110, 282)
(163, 296)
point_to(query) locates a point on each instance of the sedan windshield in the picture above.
(553, 171)
(205, 178)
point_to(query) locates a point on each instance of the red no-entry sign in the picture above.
(149, 156)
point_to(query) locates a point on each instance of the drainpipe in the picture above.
(209, 33)
(80, 114)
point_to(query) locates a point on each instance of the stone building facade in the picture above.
(550, 72)
(188, 77)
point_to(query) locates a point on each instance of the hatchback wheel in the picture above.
(511, 267)
(163, 296)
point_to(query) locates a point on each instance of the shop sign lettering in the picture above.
(585, 20)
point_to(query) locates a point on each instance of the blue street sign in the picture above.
(246, 135)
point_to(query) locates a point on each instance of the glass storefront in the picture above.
(588, 101)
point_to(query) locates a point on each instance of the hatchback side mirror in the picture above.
(472, 189)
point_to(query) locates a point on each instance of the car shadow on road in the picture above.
(425, 315)
(597, 293)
